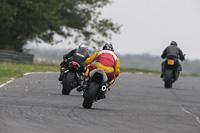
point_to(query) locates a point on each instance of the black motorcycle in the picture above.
(171, 73)
(72, 78)
(97, 87)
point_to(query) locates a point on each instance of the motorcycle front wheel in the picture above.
(90, 95)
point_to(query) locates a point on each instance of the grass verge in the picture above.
(132, 70)
(15, 70)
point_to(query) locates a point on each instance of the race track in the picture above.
(137, 103)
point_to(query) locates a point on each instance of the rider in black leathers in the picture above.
(79, 55)
(174, 52)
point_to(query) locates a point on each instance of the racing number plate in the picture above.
(170, 62)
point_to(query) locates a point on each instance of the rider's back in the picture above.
(106, 58)
(172, 51)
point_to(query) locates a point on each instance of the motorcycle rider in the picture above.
(78, 55)
(107, 60)
(174, 52)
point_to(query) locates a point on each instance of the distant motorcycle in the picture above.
(171, 73)
(72, 78)
(97, 87)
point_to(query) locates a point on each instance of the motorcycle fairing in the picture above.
(100, 71)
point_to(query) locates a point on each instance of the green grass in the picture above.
(15, 70)
(132, 70)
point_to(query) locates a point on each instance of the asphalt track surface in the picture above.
(137, 103)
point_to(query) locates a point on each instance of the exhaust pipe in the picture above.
(103, 88)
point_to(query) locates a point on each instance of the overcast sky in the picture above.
(150, 25)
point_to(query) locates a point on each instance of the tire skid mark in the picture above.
(24, 111)
(119, 113)
(72, 115)
(18, 112)
(37, 113)
(108, 124)
(4, 127)
(8, 113)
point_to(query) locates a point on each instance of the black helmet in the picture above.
(108, 47)
(173, 43)
(83, 46)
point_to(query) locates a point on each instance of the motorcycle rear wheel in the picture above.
(67, 82)
(90, 95)
(168, 79)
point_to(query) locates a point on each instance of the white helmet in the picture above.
(83, 46)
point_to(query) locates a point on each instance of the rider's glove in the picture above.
(65, 60)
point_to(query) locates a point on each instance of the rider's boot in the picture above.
(102, 96)
(62, 70)
(83, 86)
(162, 75)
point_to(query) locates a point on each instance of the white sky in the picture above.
(150, 25)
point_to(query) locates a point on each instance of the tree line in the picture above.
(135, 61)
(40, 20)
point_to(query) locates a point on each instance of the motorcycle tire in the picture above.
(90, 95)
(168, 78)
(67, 81)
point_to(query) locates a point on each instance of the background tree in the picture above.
(40, 20)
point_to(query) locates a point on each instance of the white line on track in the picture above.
(6, 82)
(1, 85)
(188, 112)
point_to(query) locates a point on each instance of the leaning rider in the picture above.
(79, 55)
(107, 60)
